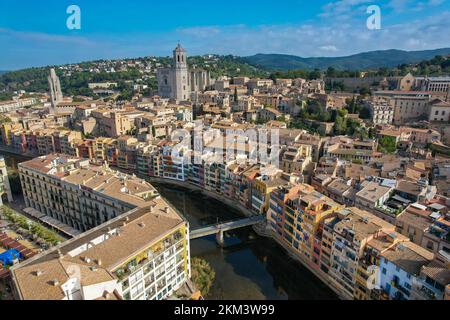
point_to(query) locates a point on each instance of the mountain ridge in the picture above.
(360, 61)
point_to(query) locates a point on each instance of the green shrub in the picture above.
(203, 275)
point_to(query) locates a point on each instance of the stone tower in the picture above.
(55, 90)
(181, 74)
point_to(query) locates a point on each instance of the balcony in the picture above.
(426, 293)
(401, 289)
(149, 281)
(131, 267)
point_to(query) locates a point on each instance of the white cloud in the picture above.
(326, 39)
(342, 8)
(329, 48)
(400, 5)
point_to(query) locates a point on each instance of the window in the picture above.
(384, 271)
(138, 289)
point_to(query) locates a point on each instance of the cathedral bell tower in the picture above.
(179, 57)
(182, 83)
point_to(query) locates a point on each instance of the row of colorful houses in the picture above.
(357, 253)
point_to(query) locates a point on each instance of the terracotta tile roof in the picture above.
(106, 247)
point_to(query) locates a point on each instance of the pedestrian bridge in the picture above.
(219, 229)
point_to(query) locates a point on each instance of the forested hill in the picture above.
(361, 61)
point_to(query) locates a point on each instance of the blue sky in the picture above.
(34, 33)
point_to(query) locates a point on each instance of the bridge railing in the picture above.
(256, 218)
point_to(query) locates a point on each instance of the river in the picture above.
(248, 266)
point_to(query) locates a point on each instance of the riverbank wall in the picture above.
(14, 152)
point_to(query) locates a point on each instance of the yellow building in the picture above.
(6, 129)
(312, 209)
(296, 214)
(101, 146)
(263, 185)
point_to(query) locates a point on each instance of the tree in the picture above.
(340, 126)
(4, 119)
(5, 96)
(14, 181)
(316, 74)
(364, 91)
(282, 118)
(371, 133)
(387, 144)
(331, 72)
(203, 275)
(364, 113)
(352, 105)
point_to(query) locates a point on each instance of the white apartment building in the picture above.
(141, 255)
(8, 106)
(439, 111)
(5, 188)
(79, 194)
(381, 112)
(433, 84)
(102, 85)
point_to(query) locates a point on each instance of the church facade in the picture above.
(178, 82)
